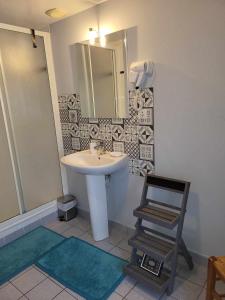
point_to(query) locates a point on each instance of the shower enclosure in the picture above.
(29, 154)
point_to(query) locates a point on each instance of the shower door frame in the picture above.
(27, 217)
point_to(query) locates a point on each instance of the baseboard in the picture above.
(22, 223)
(201, 259)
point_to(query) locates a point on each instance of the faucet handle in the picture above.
(99, 144)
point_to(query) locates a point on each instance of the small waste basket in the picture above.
(67, 207)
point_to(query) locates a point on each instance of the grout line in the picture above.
(17, 289)
(67, 293)
(50, 278)
(192, 282)
(130, 290)
(124, 249)
(200, 293)
(30, 289)
(55, 281)
(39, 270)
(72, 292)
(58, 294)
(22, 297)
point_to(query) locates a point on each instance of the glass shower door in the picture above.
(9, 206)
(27, 88)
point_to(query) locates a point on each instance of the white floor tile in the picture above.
(64, 296)
(59, 227)
(197, 275)
(46, 274)
(88, 238)
(106, 246)
(115, 296)
(9, 292)
(116, 236)
(124, 245)
(74, 231)
(202, 295)
(84, 224)
(125, 286)
(46, 290)
(120, 253)
(27, 280)
(141, 292)
(57, 282)
(75, 295)
(21, 273)
(165, 297)
(185, 290)
(73, 222)
(52, 223)
(118, 227)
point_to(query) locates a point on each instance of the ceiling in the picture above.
(31, 13)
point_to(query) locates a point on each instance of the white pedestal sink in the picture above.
(95, 168)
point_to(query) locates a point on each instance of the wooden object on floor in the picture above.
(160, 246)
(216, 271)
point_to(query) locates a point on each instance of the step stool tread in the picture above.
(152, 245)
(157, 215)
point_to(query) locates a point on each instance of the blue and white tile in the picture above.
(145, 116)
(145, 134)
(118, 147)
(74, 130)
(118, 133)
(146, 152)
(64, 116)
(73, 116)
(93, 131)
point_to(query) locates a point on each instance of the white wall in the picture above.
(185, 39)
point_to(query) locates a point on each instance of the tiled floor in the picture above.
(33, 284)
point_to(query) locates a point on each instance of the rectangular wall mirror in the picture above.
(101, 76)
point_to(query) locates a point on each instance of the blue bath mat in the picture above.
(24, 251)
(83, 268)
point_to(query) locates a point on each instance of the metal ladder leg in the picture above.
(173, 269)
(186, 254)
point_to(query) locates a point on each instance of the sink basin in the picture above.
(86, 163)
(95, 168)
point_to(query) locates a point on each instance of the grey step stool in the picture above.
(162, 247)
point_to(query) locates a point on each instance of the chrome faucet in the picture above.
(100, 148)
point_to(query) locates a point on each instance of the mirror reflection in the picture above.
(101, 74)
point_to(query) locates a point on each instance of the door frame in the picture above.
(55, 107)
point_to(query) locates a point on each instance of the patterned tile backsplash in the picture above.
(133, 135)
